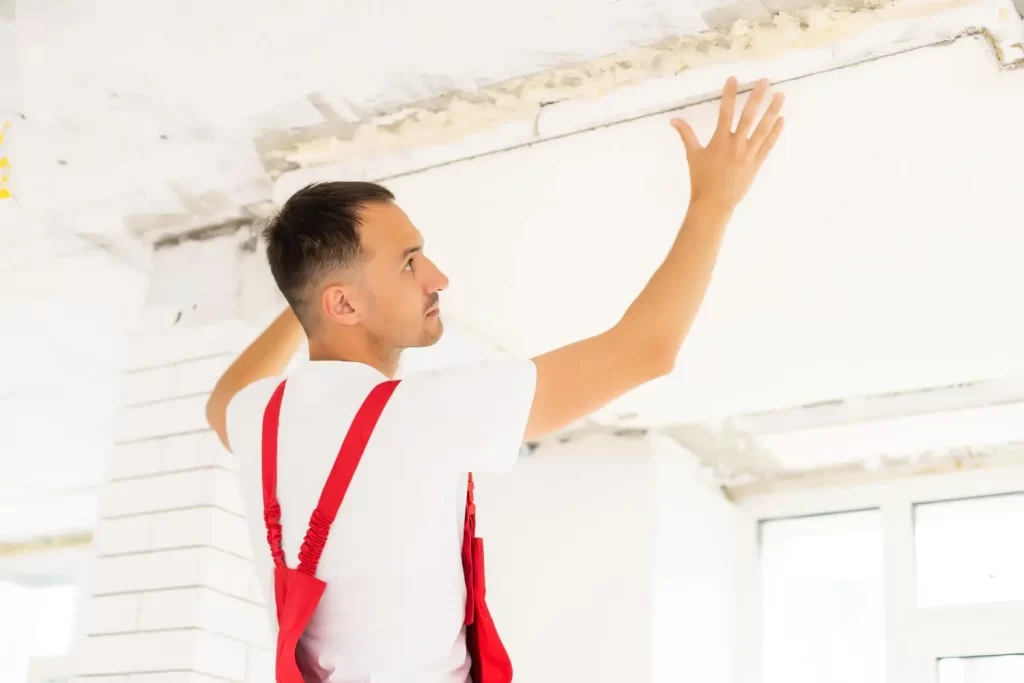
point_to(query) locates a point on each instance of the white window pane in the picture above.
(969, 551)
(1002, 669)
(35, 621)
(823, 612)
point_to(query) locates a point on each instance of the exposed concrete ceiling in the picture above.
(756, 37)
(149, 112)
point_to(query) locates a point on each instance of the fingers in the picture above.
(752, 107)
(727, 110)
(690, 141)
(767, 121)
(766, 147)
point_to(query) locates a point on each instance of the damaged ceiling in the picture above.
(741, 33)
(172, 116)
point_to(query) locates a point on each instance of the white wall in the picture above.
(570, 542)
(696, 572)
(611, 559)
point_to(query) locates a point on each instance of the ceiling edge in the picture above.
(570, 99)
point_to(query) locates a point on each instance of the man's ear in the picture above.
(337, 305)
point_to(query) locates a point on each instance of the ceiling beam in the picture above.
(572, 100)
(887, 406)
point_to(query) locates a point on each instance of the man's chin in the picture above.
(433, 332)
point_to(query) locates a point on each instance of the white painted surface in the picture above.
(169, 589)
(256, 55)
(64, 310)
(696, 570)
(609, 560)
(570, 550)
(857, 225)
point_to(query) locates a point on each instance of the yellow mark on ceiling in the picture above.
(5, 165)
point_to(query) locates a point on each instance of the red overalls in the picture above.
(297, 591)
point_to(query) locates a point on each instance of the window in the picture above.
(822, 599)
(36, 621)
(926, 585)
(1003, 669)
(969, 551)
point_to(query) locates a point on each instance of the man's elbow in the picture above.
(216, 417)
(214, 414)
(661, 361)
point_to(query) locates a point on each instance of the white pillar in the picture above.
(169, 595)
(170, 589)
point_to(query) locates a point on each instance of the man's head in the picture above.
(351, 265)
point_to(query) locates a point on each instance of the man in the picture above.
(360, 286)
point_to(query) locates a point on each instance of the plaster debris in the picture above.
(461, 114)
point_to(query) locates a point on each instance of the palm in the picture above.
(723, 170)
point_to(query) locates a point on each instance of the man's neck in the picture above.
(350, 350)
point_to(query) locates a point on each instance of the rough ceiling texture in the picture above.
(147, 112)
(458, 113)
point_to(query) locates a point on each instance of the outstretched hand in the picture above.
(722, 171)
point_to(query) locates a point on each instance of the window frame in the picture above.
(926, 634)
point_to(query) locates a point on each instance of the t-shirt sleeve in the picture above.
(245, 415)
(472, 417)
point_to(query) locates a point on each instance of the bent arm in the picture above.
(267, 356)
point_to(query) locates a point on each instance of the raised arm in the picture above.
(268, 356)
(577, 379)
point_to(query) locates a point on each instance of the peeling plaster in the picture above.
(933, 462)
(460, 114)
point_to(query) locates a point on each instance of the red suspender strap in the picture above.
(468, 534)
(271, 508)
(338, 480)
(341, 475)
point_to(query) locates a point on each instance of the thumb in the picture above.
(690, 141)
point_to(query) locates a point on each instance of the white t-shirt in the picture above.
(394, 605)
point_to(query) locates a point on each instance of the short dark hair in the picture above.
(317, 230)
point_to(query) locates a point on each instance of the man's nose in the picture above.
(437, 281)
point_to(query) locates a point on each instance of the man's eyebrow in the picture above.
(410, 251)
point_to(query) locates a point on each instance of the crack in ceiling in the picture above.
(459, 114)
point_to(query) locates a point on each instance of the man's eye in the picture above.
(408, 265)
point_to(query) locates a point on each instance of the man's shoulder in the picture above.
(311, 384)
(481, 376)
(249, 403)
